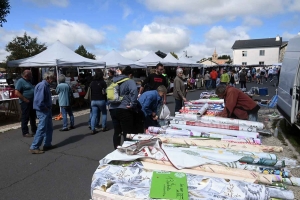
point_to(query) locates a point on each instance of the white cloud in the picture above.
(295, 6)
(220, 38)
(286, 35)
(6, 37)
(155, 36)
(110, 27)
(70, 33)
(60, 3)
(196, 12)
(252, 21)
(126, 10)
(134, 54)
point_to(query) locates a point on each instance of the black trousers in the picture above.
(125, 121)
(28, 114)
(243, 84)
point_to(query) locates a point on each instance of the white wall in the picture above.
(271, 56)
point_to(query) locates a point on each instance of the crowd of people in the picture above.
(132, 110)
(238, 77)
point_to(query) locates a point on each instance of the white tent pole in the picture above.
(57, 80)
(77, 71)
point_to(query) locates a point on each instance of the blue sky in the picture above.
(136, 27)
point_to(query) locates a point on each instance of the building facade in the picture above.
(258, 51)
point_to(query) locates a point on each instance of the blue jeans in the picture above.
(207, 84)
(65, 111)
(96, 106)
(214, 83)
(97, 119)
(44, 130)
(253, 117)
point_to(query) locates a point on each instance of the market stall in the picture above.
(196, 156)
(58, 56)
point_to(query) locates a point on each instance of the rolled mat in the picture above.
(218, 171)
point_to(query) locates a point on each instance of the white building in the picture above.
(265, 51)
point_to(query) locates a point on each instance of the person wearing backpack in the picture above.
(122, 95)
(98, 101)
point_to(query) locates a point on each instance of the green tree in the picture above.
(174, 54)
(4, 10)
(83, 52)
(224, 57)
(24, 47)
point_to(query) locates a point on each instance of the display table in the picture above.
(12, 107)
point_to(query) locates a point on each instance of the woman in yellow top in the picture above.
(224, 78)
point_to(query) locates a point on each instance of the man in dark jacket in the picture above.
(155, 80)
(237, 104)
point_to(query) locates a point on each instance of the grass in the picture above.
(291, 134)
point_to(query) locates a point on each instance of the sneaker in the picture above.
(71, 127)
(46, 148)
(28, 135)
(36, 151)
(64, 129)
(99, 126)
(104, 129)
(94, 132)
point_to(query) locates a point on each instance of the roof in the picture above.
(255, 43)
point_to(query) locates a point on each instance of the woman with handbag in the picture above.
(98, 101)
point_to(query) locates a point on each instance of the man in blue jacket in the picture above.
(150, 101)
(42, 103)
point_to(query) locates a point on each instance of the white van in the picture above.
(289, 83)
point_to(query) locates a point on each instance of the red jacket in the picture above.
(213, 74)
(237, 104)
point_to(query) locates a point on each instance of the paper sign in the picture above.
(169, 185)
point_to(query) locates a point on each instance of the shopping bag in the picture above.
(165, 112)
(88, 94)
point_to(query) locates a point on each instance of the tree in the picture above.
(83, 52)
(4, 10)
(24, 47)
(174, 54)
(224, 57)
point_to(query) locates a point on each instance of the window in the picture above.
(261, 52)
(261, 63)
(244, 53)
(244, 63)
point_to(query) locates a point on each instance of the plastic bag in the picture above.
(165, 112)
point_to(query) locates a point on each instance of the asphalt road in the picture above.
(64, 172)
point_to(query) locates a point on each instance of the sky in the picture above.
(136, 27)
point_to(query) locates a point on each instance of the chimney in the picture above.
(277, 38)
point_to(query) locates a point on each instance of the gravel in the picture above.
(288, 149)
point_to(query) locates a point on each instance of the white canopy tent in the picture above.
(187, 62)
(115, 59)
(170, 60)
(150, 60)
(56, 55)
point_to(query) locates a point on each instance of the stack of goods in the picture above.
(197, 156)
(208, 104)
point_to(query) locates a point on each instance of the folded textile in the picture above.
(216, 169)
(133, 181)
(214, 125)
(206, 143)
(195, 129)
